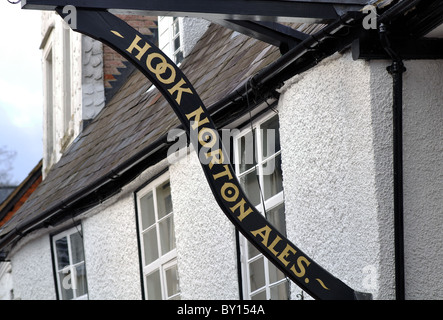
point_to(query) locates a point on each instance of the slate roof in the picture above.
(136, 117)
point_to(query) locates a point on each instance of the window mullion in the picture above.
(168, 215)
(274, 155)
(163, 287)
(236, 156)
(157, 227)
(259, 159)
(247, 272)
(71, 267)
(267, 280)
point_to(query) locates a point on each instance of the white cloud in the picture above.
(21, 93)
(22, 105)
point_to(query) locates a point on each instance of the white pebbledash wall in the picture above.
(423, 179)
(6, 284)
(32, 268)
(206, 251)
(336, 132)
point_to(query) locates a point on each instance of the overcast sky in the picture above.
(21, 93)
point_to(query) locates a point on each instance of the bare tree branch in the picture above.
(6, 159)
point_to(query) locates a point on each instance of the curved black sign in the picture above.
(185, 101)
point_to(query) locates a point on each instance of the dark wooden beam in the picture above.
(368, 47)
(265, 10)
(273, 33)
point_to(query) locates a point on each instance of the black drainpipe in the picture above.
(396, 70)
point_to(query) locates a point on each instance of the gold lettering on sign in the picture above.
(196, 114)
(160, 68)
(229, 192)
(241, 205)
(227, 172)
(285, 253)
(216, 157)
(300, 261)
(139, 48)
(298, 268)
(134, 45)
(263, 233)
(273, 244)
(180, 90)
(117, 34)
(207, 137)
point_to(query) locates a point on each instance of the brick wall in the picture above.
(113, 62)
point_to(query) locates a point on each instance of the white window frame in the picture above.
(269, 204)
(165, 261)
(49, 103)
(167, 37)
(176, 51)
(72, 267)
(67, 77)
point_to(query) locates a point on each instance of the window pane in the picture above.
(164, 203)
(252, 251)
(257, 274)
(176, 43)
(246, 152)
(272, 177)
(65, 285)
(259, 296)
(280, 292)
(81, 280)
(77, 248)
(249, 184)
(147, 210)
(167, 235)
(175, 26)
(276, 217)
(153, 286)
(150, 245)
(178, 56)
(61, 248)
(270, 137)
(172, 282)
(274, 273)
